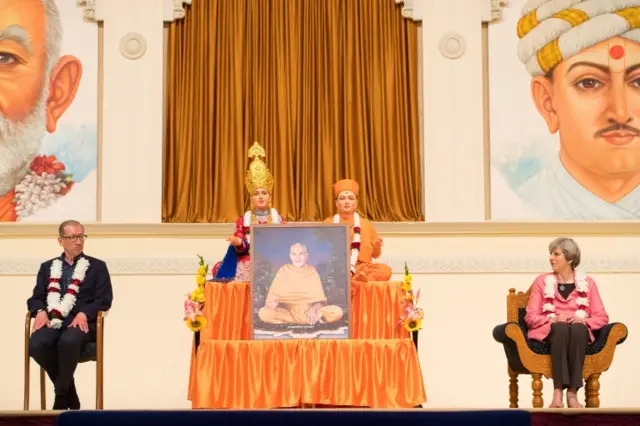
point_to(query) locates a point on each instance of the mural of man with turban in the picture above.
(37, 85)
(584, 59)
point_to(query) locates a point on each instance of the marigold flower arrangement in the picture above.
(194, 301)
(412, 319)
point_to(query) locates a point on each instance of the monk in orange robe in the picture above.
(296, 295)
(365, 243)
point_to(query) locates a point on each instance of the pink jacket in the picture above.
(537, 321)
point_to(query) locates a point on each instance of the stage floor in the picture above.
(337, 417)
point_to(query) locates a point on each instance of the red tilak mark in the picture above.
(616, 52)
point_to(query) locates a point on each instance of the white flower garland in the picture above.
(582, 286)
(35, 193)
(60, 306)
(246, 221)
(355, 244)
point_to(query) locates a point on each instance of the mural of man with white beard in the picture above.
(37, 85)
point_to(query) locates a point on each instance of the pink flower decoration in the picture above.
(190, 308)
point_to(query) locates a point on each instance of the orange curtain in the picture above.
(328, 87)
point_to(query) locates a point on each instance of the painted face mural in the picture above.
(48, 111)
(565, 130)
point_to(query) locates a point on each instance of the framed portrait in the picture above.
(300, 281)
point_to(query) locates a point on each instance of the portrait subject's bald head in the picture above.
(299, 255)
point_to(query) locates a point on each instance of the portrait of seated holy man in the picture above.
(300, 282)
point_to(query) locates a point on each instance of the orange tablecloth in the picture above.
(377, 368)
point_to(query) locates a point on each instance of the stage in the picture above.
(336, 417)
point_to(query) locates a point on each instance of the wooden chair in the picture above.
(93, 351)
(526, 356)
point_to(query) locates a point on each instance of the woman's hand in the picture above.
(558, 318)
(576, 320)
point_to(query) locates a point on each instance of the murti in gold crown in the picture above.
(258, 175)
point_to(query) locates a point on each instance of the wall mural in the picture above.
(565, 110)
(48, 112)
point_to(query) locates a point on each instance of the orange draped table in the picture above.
(377, 368)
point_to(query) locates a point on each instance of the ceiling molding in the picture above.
(496, 9)
(173, 10)
(90, 10)
(408, 10)
(179, 9)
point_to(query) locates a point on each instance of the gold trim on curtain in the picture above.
(328, 87)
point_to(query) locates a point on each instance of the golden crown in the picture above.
(258, 175)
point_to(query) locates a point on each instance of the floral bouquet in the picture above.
(412, 319)
(45, 181)
(194, 301)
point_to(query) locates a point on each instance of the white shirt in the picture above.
(554, 194)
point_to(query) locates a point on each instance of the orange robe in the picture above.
(296, 290)
(370, 248)
(8, 208)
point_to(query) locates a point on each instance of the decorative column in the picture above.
(132, 106)
(452, 101)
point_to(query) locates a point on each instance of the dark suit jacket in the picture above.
(96, 293)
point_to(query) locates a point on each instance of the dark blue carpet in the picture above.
(297, 417)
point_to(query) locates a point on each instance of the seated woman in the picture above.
(236, 265)
(564, 309)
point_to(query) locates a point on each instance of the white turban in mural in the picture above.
(552, 31)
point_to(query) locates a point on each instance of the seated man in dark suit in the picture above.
(69, 292)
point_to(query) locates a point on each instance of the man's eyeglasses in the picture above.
(75, 237)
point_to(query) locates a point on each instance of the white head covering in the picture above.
(552, 31)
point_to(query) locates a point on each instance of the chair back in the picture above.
(516, 302)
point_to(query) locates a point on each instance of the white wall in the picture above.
(132, 113)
